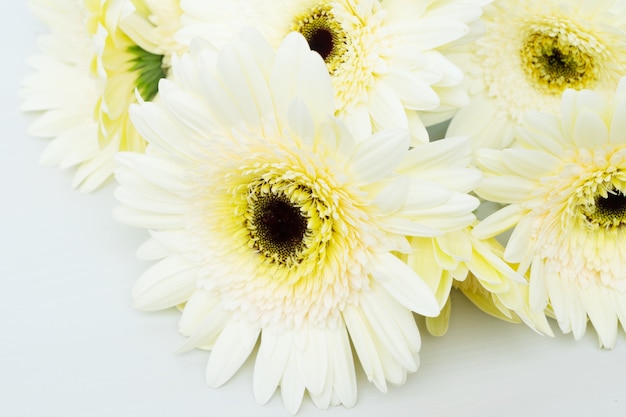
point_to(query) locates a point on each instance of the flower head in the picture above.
(135, 41)
(274, 219)
(88, 75)
(531, 52)
(65, 91)
(387, 60)
(563, 184)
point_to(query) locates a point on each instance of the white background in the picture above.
(71, 345)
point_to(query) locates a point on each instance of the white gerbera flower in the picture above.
(531, 52)
(136, 41)
(386, 58)
(564, 185)
(88, 75)
(273, 220)
(66, 92)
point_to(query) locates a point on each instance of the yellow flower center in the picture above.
(556, 55)
(324, 34)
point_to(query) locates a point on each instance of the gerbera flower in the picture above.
(275, 222)
(563, 185)
(65, 91)
(458, 260)
(385, 58)
(133, 55)
(531, 52)
(89, 74)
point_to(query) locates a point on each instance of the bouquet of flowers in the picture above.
(283, 156)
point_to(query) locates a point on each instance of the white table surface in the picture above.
(71, 345)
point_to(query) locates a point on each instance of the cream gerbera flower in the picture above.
(385, 58)
(475, 267)
(89, 74)
(65, 91)
(274, 221)
(564, 187)
(136, 41)
(531, 52)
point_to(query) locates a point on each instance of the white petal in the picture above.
(151, 199)
(408, 288)
(313, 360)
(596, 301)
(381, 314)
(92, 174)
(506, 189)
(392, 196)
(165, 284)
(291, 385)
(158, 126)
(378, 155)
(567, 305)
(408, 227)
(342, 365)
(301, 122)
(436, 31)
(461, 179)
(443, 153)
(270, 363)
(530, 163)
(519, 245)
(83, 137)
(498, 222)
(163, 171)
(617, 131)
(299, 72)
(231, 349)
(542, 131)
(414, 93)
(191, 115)
(590, 131)
(619, 304)
(456, 213)
(537, 287)
(572, 104)
(148, 220)
(483, 123)
(201, 305)
(385, 107)
(204, 323)
(364, 347)
(245, 83)
(151, 250)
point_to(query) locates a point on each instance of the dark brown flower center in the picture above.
(321, 41)
(324, 35)
(609, 211)
(278, 227)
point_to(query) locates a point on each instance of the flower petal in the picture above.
(231, 349)
(165, 284)
(402, 283)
